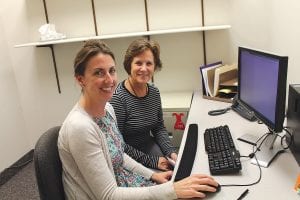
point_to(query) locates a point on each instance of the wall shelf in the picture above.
(51, 43)
(122, 35)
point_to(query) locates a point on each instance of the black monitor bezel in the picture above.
(281, 89)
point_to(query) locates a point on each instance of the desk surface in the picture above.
(277, 180)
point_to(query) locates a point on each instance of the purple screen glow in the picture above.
(258, 83)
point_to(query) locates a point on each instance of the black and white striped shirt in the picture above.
(137, 117)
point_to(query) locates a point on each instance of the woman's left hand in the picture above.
(173, 156)
(161, 177)
(163, 164)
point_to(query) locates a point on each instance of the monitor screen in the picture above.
(262, 85)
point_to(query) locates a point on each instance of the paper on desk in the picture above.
(48, 32)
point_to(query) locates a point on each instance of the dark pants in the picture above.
(151, 147)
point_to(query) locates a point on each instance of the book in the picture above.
(225, 78)
(219, 80)
(207, 68)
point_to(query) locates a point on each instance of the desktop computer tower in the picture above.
(293, 119)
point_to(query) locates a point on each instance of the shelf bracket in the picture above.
(54, 65)
(94, 17)
(147, 26)
(203, 33)
(51, 48)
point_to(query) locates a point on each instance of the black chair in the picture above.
(48, 170)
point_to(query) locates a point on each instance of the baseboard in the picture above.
(9, 172)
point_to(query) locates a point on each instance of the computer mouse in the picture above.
(218, 188)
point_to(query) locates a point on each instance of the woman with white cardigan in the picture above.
(91, 147)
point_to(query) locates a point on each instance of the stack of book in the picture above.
(219, 81)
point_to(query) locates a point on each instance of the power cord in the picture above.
(20, 165)
(284, 137)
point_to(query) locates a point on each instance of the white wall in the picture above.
(271, 25)
(182, 53)
(28, 76)
(14, 137)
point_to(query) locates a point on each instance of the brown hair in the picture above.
(89, 49)
(139, 46)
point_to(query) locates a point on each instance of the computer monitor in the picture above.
(262, 89)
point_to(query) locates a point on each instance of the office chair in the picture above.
(48, 169)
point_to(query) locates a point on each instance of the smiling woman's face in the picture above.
(142, 67)
(100, 79)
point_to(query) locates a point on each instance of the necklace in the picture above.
(134, 92)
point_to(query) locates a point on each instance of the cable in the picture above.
(285, 136)
(219, 111)
(250, 184)
(21, 165)
(251, 155)
(264, 137)
(259, 121)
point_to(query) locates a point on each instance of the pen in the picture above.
(172, 162)
(243, 194)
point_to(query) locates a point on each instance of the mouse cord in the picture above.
(249, 184)
(251, 155)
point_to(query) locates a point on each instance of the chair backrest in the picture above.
(48, 168)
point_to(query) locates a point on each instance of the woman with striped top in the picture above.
(137, 105)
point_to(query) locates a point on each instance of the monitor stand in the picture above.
(267, 151)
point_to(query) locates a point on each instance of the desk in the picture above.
(179, 101)
(175, 102)
(277, 180)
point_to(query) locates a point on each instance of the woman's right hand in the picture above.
(194, 186)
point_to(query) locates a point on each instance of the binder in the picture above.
(204, 69)
(219, 82)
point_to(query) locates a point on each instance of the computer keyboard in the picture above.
(223, 157)
(189, 152)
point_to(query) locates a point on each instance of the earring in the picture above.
(82, 84)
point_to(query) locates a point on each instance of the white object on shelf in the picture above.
(48, 32)
(121, 35)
